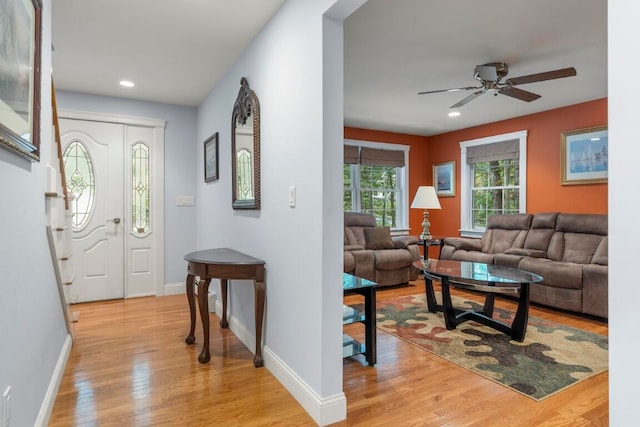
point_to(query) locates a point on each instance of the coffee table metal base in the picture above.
(455, 316)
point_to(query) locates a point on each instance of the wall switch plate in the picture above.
(185, 201)
(292, 196)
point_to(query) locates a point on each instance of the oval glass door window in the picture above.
(81, 183)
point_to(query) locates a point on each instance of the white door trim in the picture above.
(158, 182)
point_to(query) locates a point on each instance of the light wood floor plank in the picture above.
(129, 366)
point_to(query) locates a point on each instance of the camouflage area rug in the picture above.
(551, 358)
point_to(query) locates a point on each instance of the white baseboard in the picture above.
(324, 411)
(174, 288)
(54, 384)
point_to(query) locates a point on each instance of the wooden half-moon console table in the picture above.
(223, 264)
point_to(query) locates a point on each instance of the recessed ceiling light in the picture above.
(454, 114)
(126, 83)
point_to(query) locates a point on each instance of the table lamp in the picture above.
(426, 198)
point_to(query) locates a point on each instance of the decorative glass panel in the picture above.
(79, 172)
(140, 188)
(245, 175)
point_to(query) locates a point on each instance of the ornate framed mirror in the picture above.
(245, 149)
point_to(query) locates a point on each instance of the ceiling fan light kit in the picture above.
(491, 75)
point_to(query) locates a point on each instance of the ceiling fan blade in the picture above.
(520, 94)
(455, 89)
(548, 75)
(469, 98)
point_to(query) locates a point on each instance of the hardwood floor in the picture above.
(129, 366)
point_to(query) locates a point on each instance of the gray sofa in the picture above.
(570, 251)
(372, 253)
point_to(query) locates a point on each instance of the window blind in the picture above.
(378, 157)
(351, 154)
(492, 152)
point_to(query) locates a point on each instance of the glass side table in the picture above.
(351, 314)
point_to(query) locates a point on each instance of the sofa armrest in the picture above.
(353, 247)
(464, 243)
(403, 242)
(533, 253)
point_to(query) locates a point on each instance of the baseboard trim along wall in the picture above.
(54, 384)
(324, 411)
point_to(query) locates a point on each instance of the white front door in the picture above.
(115, 171)
(93, 153)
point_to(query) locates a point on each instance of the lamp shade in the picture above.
(426, 198)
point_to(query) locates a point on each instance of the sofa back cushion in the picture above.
(377, 238)
(601, 257)
(504, 232)
(578, 237)
(543, 225)
(359, 219)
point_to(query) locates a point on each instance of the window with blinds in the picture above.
(493, 179)
(375, 177)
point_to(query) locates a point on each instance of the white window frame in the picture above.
(466, 224)
(402, 183)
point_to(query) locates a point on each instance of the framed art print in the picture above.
(585, 156)
(444, 179)
(211, 158)
(20, 21)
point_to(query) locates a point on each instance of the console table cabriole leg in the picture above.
(260, 288)
(223, 294)
(203, 304)
(519, 325)
(191, 338)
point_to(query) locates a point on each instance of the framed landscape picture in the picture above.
(584, 156)
(211, 158)
(444, 179)
(20, 22)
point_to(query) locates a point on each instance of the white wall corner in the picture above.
(324, 411)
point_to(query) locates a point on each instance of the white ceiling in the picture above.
(176, 51)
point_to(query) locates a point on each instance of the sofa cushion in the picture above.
(583, 224)
(580, 248)
(377, 238)
(358, 233)
(392, 260)
(601, 257)
(495, 241)
(534, 253)
(555, 274)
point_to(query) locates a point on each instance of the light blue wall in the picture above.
(180, 168)
(32, 325)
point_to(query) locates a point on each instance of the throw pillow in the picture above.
(377, 238)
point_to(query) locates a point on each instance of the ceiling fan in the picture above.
(491, 75)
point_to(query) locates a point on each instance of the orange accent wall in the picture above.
(544, 191)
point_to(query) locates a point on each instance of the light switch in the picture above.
(292, 196)
(185, 201)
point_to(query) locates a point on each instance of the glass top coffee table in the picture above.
(486, 279)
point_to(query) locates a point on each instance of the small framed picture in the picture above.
(444, 179)
(211, 158)
(585, 156)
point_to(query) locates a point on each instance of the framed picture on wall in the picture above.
(20, 21)
(585, 156)
(211, 158)
(444, 179)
